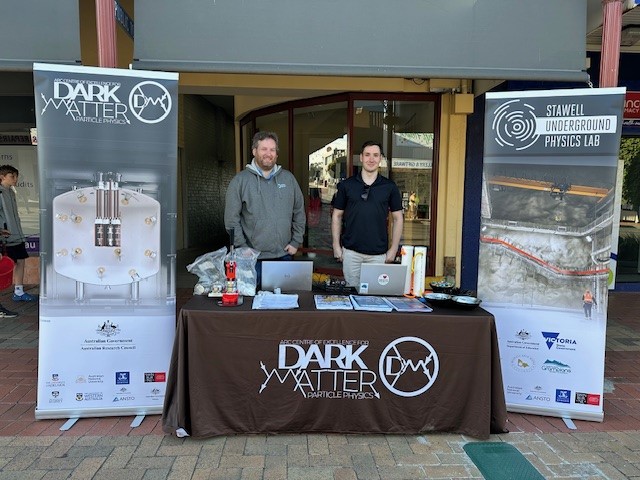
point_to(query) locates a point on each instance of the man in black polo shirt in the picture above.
(362, 203)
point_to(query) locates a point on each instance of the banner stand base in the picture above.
(69, 423)
(569, 423)
(137, 421)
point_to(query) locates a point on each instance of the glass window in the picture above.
(277, 122)
(406, 130)
(320, 150)
(324, 148)
(628, 264)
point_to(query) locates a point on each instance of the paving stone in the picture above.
(251, 473)
(422, 459)
(297, 456)
(59, 447)
(256, 445)
(446, 471)
(226, 474)
(275, 471)
(60, 475)
(382, 455)
(155, 474)
(23, 475)
(352, 449)
(40, 441)
(310, 473)
(318, 444)
(119, 457)
(344, 474)
(453, 459)
(201, 474)
(87, 468)
(148, 446)
(94, 451)
(183, 467)
(241, 461)
(234, 445)
(176, 451)
(288, 439)
(150, 462)
(401, 472)
(119, 474)
(209, 456)
(330, 460)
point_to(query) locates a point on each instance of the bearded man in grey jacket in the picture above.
(264, 206)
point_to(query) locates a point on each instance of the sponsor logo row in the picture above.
(121, 378)
(553, 341)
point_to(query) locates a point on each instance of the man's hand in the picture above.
(291, 250)
(391, 256)
(337, 252)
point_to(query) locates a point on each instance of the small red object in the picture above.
(230, 298)
(6, 272)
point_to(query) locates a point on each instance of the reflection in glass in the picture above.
(320, 138)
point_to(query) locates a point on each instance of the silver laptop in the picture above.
(287, 275)
(386, 279)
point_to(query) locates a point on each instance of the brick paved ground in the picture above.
(109, 448)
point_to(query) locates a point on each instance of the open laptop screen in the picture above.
(382, 279)
(287, 275)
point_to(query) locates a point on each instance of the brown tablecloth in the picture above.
(237, 370)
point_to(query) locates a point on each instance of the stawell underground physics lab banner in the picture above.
(548, 196)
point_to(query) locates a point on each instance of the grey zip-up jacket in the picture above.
(9, 216)
(266, 214)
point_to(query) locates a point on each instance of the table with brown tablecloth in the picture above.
(237, 370)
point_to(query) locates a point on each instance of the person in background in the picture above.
(588, 301)
(361, 208)
(264, 206)
(412, 214)
(13, 237)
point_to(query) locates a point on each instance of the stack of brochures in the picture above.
(407, 304)
(370, 303)
(387, 304)
(333, 302)
(273, 301)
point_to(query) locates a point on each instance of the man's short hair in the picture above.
(260, 136)
(371, 143)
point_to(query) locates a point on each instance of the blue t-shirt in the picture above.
(365, 221)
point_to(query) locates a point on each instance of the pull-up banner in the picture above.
(107, 158)
(548, 197)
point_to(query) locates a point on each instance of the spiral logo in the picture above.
(514, 125)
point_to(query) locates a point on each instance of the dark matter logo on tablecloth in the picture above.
(407, 367)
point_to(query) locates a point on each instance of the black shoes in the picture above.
(4, 313)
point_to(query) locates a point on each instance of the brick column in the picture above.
(106, 27)
(611, 28)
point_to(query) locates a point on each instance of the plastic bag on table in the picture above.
(246, 276)
(209, 268)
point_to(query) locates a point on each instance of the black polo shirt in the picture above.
(365, 221)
